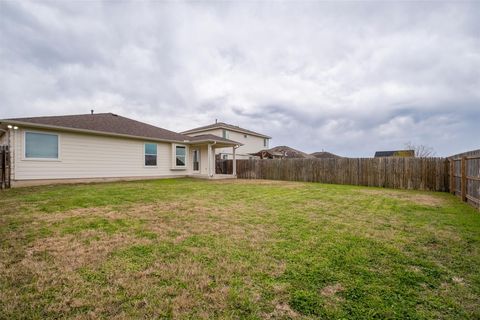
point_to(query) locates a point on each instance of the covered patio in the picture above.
(202, 149)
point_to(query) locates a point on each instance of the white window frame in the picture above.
(144, 154)
(225, 134)
(24, 151)
(265, 142)
(174, 157)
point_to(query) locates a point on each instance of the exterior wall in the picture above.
(95, 156)
(251, 144)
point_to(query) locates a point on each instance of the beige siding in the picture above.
(95, 156)
(251, 144)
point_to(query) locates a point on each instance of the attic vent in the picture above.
(115, 115)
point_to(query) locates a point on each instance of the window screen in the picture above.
(150, 154)
(41, 145)
(180, 156)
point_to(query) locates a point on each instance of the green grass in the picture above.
(184, 248)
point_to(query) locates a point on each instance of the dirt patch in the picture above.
(331, 290)
(330, 294)
(282, 311)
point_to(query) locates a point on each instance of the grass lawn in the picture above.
(184, 248)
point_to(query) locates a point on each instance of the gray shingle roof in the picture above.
(223, 125)
(212, 137)
(108, 123)
(289, 152)
(324, 155)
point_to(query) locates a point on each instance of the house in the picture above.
(395, 153)
(282, 152)
(251, 142)
(324, 155)
(105, 146)
(268, 154)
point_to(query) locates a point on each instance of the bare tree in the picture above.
(421, 150)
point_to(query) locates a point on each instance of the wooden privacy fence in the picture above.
(401, 173)
(465, 177)
(4, 167)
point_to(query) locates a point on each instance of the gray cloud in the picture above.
(351, 78)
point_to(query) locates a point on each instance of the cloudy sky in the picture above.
(350, 78)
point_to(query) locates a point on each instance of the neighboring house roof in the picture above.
(288, 152)
(324, 155)
(465, 154)
(223, 125)
(109, 123)
(267, 154)
(395, 153)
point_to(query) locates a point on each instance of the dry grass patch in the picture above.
(68, 253)
(417, 198)
(261, 182)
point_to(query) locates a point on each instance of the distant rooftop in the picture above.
(223, 125)
(395, 153)
(286, 152)
(324, 155)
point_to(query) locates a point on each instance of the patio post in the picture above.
(234, 170)
(209, 156)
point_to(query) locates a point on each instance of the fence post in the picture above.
(452, 176)
(463, 185)
(2, 168)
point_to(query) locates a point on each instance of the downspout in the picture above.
(11, 150)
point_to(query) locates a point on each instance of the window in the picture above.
(265, 142)
(41, 145)
(245, 136)
(180, 156)
(150, 154)
(225, 134)
(196, 160)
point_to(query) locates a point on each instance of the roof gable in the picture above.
(212, 137)
(223, 125)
